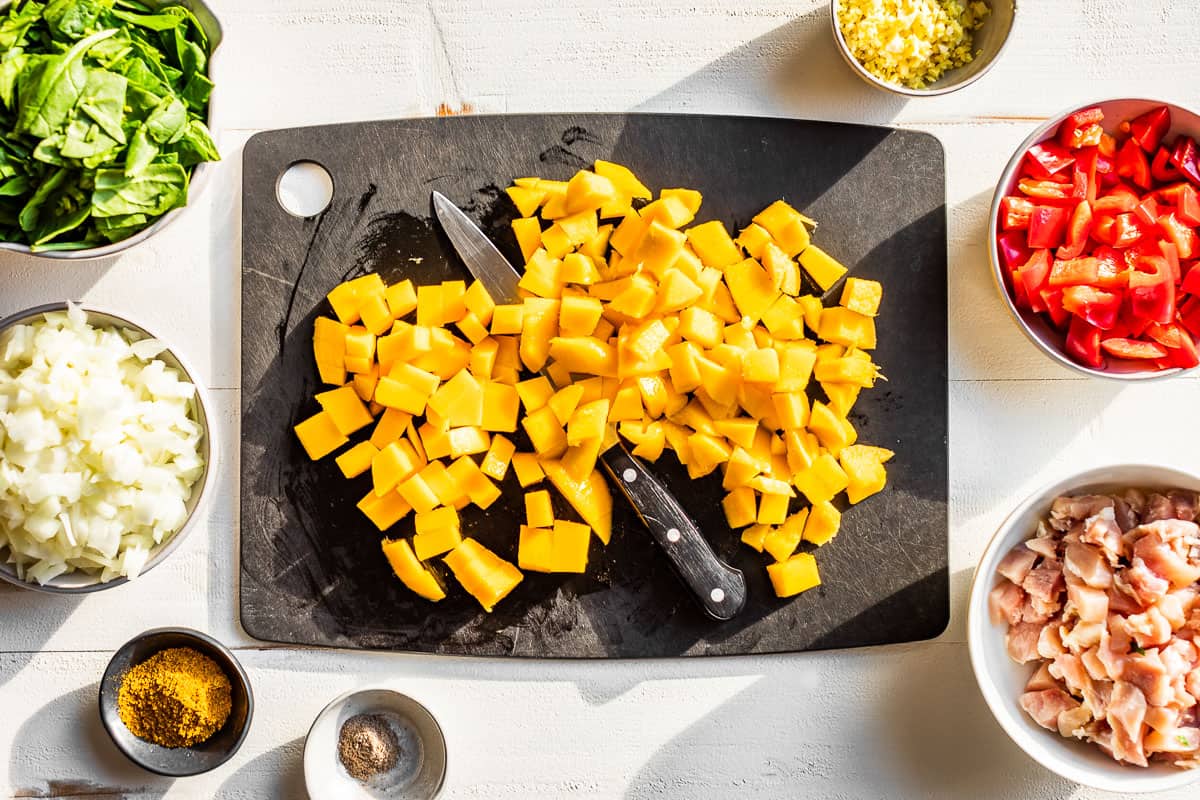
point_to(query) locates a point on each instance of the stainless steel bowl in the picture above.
(1036, 326)
(212, 29)
(989, 42)
(79, 582)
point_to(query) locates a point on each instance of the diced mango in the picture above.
(821, 482)
(824, 269)
(527, 468)
(357, 459)
(797, 574)
(411, 572)
(623, 180)
(539, 326)
(418, 494)
(823, 523)
(319, 435)
(848, 328)
(390, 427)
(752, 288)
(782, 541)
(862, 296)
(864, 469)
(589, 496)
(545, 432)
(539, 513)
(535, 549)
(393, 464)
(584, 354)
(486, 576)
(386, 511)
(499, 455)
(329, 349)
(739, 506)
(587, 191)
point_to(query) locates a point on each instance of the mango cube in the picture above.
(411, 572)
(824, 269)
(739, 507)
(545, 432)
(862, 296)
(390, 427)
(500, 408)
(569, 546)
(823, 523)
(346, 409)
(797, 574)
(589, 496)
(539, 513)
(527, 468)
(485, 575)
(393, 464)
(319, 435)
(535, 549)
(782, 541)
(386, 511)
(357, 459)
(821, 482)
(329, 349)
(752, 288)
(401, 298)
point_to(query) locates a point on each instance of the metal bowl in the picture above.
(989, 42)
(79, 582)
(420, 771)
(1036, 326)
(200, 173)
(1001, 680)
(177, 762)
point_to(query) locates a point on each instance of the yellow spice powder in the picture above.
(176, 698)
(910, 42)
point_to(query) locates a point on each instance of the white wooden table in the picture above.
(895, 722)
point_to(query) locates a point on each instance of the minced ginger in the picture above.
(911, 42)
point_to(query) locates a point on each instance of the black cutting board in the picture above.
(311, 567)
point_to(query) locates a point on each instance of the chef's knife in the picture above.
(720, 588)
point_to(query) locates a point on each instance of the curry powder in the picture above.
(176, 698)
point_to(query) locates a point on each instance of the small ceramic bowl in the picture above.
(420, 768)
(988, 42)
(1036, 326)
(177, 762)
(1002, 681)
(80, 582)
(212, 29)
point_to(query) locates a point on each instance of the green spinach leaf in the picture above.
(49, 89)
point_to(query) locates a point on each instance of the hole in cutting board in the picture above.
(304, 189)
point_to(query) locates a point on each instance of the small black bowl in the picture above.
(176, 762)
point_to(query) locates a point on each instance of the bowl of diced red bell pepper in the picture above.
(1094, 238)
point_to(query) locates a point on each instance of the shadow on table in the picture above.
(37, 616)
(796, 68)
(67, 731)
(71, 279)
(923, 732)
(281, 768)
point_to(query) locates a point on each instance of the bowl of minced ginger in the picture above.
(920, 48)
(176, 702)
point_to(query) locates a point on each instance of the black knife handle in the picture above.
(719, 588)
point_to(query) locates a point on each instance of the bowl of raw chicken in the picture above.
(1084, 628)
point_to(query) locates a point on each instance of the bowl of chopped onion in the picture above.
(106, 449)
(920, 48)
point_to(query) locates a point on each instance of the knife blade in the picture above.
(719, 588)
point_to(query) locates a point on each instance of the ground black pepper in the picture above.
(367, 746)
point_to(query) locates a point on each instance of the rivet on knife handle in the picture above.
(719, 588)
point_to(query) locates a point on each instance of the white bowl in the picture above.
(81, 582)
(419, 772)
(1001, 680)
(200, 173)
(988, 42)
(1037, 326)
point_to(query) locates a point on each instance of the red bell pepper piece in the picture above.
(1047, 226)
(1098, 307)
(1119, 231)
(1034, 278)
(1047, 191)
(1171, 253)
(1132, 164)
(1047, 158)
(1119, 200)
(1052, 299)
(1081, 129)
(1133, 348)
(1015, 212)
(1189, 315)
(1020, 296)
(1169, 336)
(1184, 158)
(1149, 129)
(1077, 232)
(1147, 210)
(1188, 205)
(1013, 250)
(1191, 282)
(1151, 290)
(1083, 343)
(1179, 234)
(1075, 271)
(1112, 270)
(1083, 184)
(1185, 356)
(1161, 168)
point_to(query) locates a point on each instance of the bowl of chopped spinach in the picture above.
(104, 111)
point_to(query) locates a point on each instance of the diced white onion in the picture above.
(99, 448)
